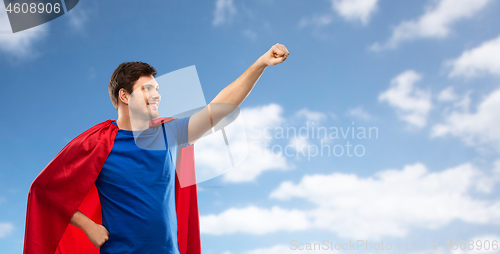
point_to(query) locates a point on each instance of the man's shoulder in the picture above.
(177, 122)
(102, 127)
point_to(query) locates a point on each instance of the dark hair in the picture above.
(125, 76)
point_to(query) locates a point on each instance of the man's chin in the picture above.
(145, 116)
(153, 115)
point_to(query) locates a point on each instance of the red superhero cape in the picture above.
(66, 185)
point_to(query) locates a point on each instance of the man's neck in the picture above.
(126, 123)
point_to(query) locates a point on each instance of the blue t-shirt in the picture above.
(137, 190)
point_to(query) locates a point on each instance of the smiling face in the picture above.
(144, 101)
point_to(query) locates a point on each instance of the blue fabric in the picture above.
(137, 190)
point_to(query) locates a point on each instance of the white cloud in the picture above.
(20, 44)
(477, 61)
(5, 229)
(358, 112)
(447, 94)
(412, 104)
(77, 18)
(351, 10)
(250, 34)
(316, 21)
(292, 248)
(254, 220)
(436, 22)
(299, 143)
(464, 103)
(224, 11)
(496, 170)
(355, 10)
(251, 152)
(312, 116)
(475, 129)
(272, 250)
(394, 201)
(390, 203)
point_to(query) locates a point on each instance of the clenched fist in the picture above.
(97, 234)
(276, 55)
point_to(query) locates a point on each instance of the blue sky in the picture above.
(423, 73)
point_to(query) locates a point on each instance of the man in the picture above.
(135, 184)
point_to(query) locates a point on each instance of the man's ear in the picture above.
(123, 96)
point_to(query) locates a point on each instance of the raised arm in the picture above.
(234, 94)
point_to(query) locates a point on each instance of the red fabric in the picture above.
(66, 185)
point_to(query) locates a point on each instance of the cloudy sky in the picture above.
(394, 104)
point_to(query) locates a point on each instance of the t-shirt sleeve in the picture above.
(179, 128)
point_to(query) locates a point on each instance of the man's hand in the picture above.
(97, 234)
(276, 55)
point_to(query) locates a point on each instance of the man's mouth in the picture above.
(153, 105)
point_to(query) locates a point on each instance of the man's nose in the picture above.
(156, 95)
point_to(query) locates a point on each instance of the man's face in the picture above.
(144, 101)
